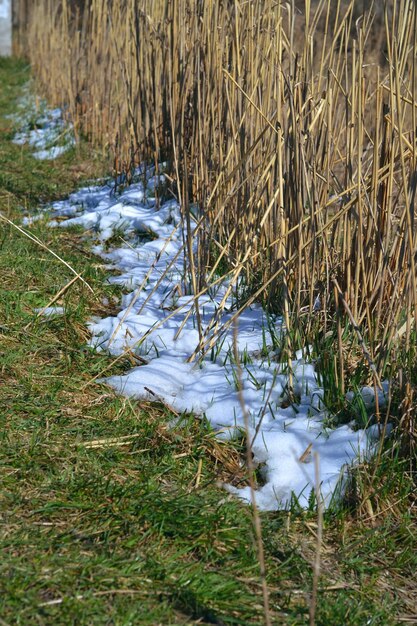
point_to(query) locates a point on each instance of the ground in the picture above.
(109, 515)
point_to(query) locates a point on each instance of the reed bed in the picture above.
(289, 132)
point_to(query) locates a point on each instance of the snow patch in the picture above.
(43, 129)
(158, 321)
(50, 311)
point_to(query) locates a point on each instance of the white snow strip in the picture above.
(50, 311)
(286, 434)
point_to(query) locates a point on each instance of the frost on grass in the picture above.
(43, 129)
(157, 321)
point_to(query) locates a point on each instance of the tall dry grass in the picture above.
(291, 126)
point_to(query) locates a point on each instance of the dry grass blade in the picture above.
(45, 247)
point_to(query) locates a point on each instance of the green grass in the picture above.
(139, 532)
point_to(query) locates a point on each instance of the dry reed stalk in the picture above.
(286, 128)
(249, 462)
(317, 559)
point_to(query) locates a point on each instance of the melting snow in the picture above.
(157, 321)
